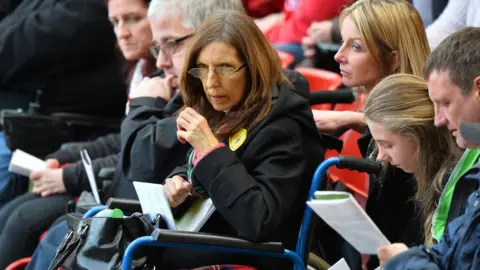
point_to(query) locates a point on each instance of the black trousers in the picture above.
(23, 220)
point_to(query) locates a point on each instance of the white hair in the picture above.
(194, 12)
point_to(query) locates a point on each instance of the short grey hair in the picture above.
(194, 12)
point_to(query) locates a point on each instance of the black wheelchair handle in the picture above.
(359, 164)
(345, 95)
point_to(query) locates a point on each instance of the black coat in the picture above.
(260, 189)
(149, 146)
(104, 153)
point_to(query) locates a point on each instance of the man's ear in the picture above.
(395, 61)
(476, 87)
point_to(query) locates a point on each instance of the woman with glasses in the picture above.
(24, 219)
(254, 142)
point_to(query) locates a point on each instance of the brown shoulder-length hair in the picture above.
(128, 68)
(263, 72)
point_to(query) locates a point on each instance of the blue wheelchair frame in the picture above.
(296, 257)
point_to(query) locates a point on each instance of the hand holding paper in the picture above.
(177, 190)
(24, 164)
(47, 182)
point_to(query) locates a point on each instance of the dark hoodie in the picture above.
(260, 189)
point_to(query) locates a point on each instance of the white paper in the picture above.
(348, 218)
(87, 163)
(153, 201)
(340, 265)
(23, 163)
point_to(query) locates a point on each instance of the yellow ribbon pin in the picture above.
(235, 141)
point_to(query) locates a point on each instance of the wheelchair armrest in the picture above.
(207, 239)
(106, 173)
(127, 205)
(73, 145)
(88, 120)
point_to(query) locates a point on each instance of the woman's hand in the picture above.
(177, 190)
(386, 252)
(193, 128)
(331, 121)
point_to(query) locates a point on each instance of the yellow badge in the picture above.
(237, 139)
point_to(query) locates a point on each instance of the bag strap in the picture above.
(69, 244)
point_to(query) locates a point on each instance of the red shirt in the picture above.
(299, 14)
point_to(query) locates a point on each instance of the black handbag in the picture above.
(100, 242)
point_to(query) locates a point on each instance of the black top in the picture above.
(391, 205)
(66, 49)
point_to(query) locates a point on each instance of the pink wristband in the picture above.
(197, 159)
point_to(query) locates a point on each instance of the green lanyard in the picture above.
(440, 216)
(190, 166)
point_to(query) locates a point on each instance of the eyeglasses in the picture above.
(225, 72)
(169, 47)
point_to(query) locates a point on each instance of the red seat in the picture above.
(285, 58)
(321, 80)
(355, 181)
(19, 264)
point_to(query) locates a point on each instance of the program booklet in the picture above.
(342, 212)
(154, 201)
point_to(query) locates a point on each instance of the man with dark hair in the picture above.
(453, 77)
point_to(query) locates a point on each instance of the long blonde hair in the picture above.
(391, 25)
(401, 104)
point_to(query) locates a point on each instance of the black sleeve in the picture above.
(270, 187)
(391, 206)
(101, 147)
(68, 35)
(75, 178)
(150, 148)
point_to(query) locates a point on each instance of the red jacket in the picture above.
(262, 8)
(299, 14)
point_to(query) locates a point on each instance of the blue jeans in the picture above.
(46, 250)
(294, 49)
(5, 156)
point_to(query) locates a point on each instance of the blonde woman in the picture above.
(400, 116)
(380, 38)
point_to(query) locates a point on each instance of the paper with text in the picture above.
(343, 213)
(153, 201)
(24, 164)
(340, 265)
